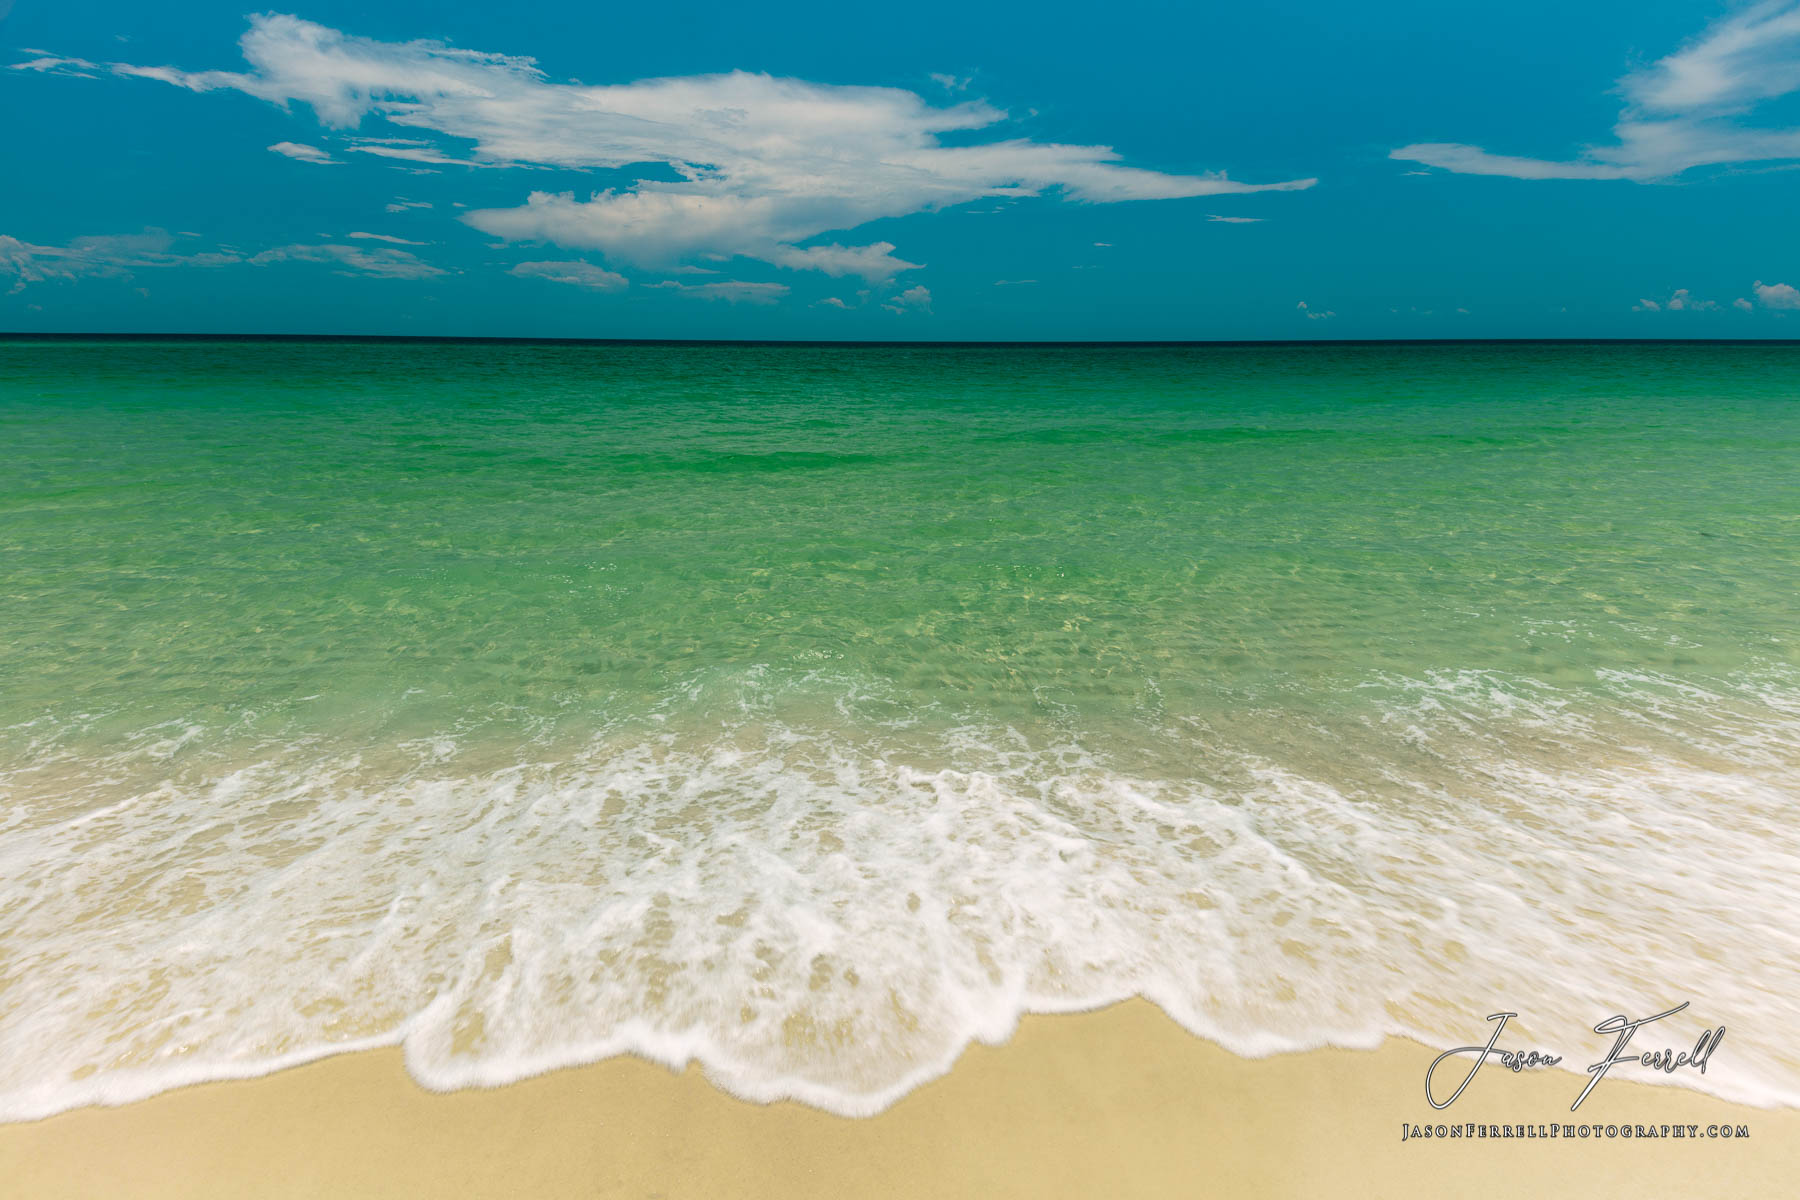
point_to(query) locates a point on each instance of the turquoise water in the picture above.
(814, 710)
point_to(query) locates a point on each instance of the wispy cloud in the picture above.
(382, 237)
(304, 153)
(413, 151)
(118, 256)
(577, 273)
(729, 290)
(763, 164)
(401, 204)
(114, 256)
(1235, 220)
(380, 262)
(50, 64)
(1314, 314)
(1690, 109)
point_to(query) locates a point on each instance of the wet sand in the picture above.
(1121, 1102)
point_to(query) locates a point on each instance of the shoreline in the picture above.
(1121, 1102)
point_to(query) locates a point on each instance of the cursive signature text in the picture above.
(1620, 1027)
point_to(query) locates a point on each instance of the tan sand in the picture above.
(1110, 1104)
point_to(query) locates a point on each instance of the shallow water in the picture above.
(812, 710)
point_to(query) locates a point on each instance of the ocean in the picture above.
(812, 711)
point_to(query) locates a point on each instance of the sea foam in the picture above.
(832, 909)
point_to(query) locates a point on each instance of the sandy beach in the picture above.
(1119, 1103)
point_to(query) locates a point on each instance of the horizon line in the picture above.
(857, 343)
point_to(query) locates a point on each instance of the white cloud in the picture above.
(1472, 160)
(50, 64)
(113, 256)
(1742, 304)
(763, 164)
(1684, 301)
(382, 237)
(729, 290)
(1684, 111)
(304, 153)
(118, 256)
(402, 204)
(381, 262)
(1012, 282)
(1681, 301)
(1314, 314)
(580, 274)
(28, 263)
(411, 150)
(1776, 295)
(830, 302)
(952, 83)
(874, 262)
(1104, 245)
(913, 299)
(1235, 220)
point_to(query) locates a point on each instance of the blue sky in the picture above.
(935, 171)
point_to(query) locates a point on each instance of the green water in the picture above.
(1429, 580)
(421, 535)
